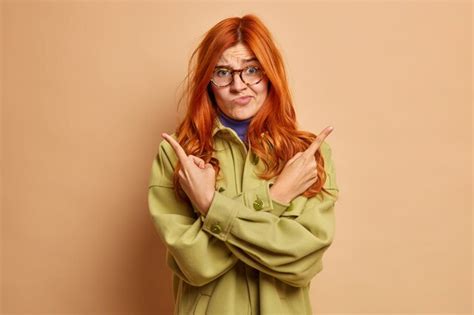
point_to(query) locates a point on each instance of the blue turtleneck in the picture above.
(239, 126)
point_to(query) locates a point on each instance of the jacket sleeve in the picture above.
(249, 197)
(288, 247)
(194, 255)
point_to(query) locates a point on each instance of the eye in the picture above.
(252, 70)
(222, 72)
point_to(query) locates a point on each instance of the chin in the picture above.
(244, 115)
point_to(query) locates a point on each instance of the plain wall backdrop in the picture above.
(88, 86)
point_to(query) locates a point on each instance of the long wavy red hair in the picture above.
(276, 119)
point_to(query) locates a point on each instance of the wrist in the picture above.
(207, 204)
(277, 196)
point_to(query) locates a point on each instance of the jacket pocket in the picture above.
(201, 304)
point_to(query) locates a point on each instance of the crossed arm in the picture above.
(286, 241)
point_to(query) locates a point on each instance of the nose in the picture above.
(237, 84)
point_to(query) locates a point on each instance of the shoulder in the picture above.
(325, 146)
(165, 145)
(325, 149)
(165, 148)
(163, 165)
(326, 152)
(309, 137)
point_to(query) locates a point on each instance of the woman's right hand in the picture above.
(196, 177)
(299, 173)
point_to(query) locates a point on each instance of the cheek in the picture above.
(263, 90)
(213, 90)
(218, 94)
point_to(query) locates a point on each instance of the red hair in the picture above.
(276, 119)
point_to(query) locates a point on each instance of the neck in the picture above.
(234, 121)
(239, 126)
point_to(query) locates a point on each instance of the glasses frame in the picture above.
(232, 71)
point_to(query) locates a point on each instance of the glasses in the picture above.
(250, 75)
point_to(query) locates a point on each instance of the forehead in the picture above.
(236, 55)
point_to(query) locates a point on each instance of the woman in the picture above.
(242, 199)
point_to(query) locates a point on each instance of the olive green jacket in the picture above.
(250, 254)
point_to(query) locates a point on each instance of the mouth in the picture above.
(242, 100)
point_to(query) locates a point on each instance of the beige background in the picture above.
(88, 86)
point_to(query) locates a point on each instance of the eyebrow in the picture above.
(245, 61)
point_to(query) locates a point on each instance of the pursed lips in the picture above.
(241, 97)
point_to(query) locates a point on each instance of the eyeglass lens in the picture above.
(224, 76)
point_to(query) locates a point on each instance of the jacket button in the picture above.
(216, 228)
(258, 204)
(221, 189)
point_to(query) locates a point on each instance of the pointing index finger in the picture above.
(313, 147)
(182, 156)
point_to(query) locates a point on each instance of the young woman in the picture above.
(242, 199)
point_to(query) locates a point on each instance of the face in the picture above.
(226, 97)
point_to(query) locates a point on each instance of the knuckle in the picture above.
(312, 173)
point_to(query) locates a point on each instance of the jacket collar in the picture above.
(218, 126)
(221, 128)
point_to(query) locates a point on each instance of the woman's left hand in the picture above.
(197, 178)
